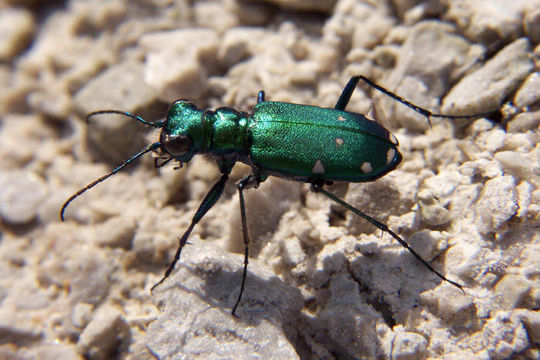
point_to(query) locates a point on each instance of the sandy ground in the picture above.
(322, 283)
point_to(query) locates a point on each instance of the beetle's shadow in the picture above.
(197, 299)
(214, 277)
(357, 289)
(386, 282)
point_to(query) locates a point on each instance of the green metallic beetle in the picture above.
(298, 142)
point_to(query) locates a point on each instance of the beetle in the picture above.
(298, 142)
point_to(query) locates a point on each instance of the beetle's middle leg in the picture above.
(251, 181)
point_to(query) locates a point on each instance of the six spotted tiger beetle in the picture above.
(278, 139)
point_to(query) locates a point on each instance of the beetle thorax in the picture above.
(228, 131)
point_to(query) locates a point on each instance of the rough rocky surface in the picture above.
(322, 283)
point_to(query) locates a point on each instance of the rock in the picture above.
(484, 89)
(504, 336)
(451, 305)
(428, 244)
(503, 22)
(305, 5)
(409, 346)
(196, 301)
(529, 92)
(116, 137)
(16, 30)
(524, 122)
(511, 291)
(497, 204)
(431, 210)
(105, 333)
(179, 62)
(417, 77)
(21, 194)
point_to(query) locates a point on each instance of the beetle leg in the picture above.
(248, 182)
(260, 97)
(209, 201)
(317, 187)
(164, 161)
(351, 85)
(347, 93)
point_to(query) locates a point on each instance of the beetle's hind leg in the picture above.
(346, 94)
(351, 86)
(353, 82)
(317, 186)
(248, 182)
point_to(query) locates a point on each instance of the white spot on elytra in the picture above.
(390, 155)
(366, 167)
(318, 168)
(341, 118)
(339, 142)
(393, 139)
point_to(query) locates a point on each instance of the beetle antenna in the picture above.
(157, 124)
(151, 147)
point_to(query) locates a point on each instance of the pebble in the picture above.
(115, 137)
(325, 6)
(102, 337)
(431, 209)
(443, 52)
(21, 194)
(409, 346)
(529, 93)
(503, 23)
(451, 305)
(498, 202)
(531, 320)
(90, 277)
(504, 336)
(484, 89)
(179, 62)
(81, 314)
(521, 165)
(524, 122)
(17, 28)
(350, 321)
(429, 244)
(532, 22)
(511, 291)
(115, 232)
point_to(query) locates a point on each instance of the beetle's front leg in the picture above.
(209, 201)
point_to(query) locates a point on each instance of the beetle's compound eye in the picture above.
(176, 145)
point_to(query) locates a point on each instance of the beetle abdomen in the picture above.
(309, 142)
